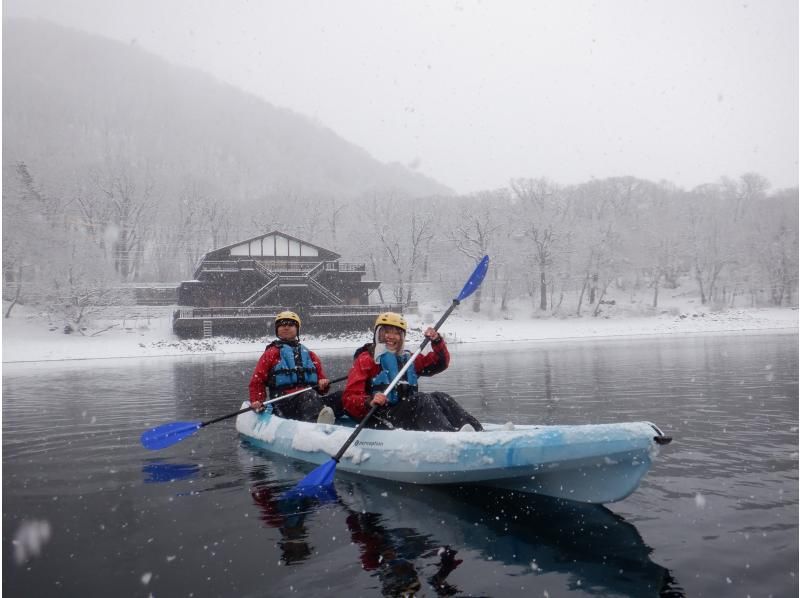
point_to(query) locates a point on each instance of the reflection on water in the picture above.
(168, 472)
(389, 553)
(288, 516)
(409, 536)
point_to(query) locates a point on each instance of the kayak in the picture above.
(594, 463)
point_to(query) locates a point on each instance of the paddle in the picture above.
(322, 476)
(172, 433)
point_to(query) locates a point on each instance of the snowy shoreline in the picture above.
(27, 338)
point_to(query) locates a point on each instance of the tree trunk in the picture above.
(16, 295)
(476, 304)
(409, 293)
(655, 291)
(700, 286)
(542, 291)
(580, 296)
(504, 296)
(596, 311)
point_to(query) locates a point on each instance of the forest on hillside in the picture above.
(563, 249)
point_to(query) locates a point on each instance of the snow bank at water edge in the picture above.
(31, 336)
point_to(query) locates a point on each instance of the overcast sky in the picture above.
(476, 93)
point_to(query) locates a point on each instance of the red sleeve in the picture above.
(355, 395)
(258, 380)
(269, 505)
(434, 362)
(370, 544)
(317, 364)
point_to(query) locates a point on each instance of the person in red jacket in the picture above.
(286, 366)
(376, 364)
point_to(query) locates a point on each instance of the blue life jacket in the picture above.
(295, 368)
(391, 364)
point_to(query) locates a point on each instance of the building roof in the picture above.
(324, 254)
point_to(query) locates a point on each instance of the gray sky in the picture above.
(476, 93)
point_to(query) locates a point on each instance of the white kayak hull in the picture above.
(596, 463)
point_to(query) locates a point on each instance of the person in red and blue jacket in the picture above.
(286, 366)
(376, 364)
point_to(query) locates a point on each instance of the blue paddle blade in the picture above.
(317, 482)
(168, 472)
(168, 434)
(475, 280)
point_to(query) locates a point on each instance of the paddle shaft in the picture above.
(394, 382)
(246, 409)
(322, 476)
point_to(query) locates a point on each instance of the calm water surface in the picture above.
(87, 511)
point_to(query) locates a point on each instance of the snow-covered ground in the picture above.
(32, 336)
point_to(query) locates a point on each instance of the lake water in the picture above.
(88, 512)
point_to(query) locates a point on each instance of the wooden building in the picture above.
(238, 289)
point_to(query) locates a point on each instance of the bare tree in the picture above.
(127, 209)
(473, 234)
(710, 247)
(336, 208)
(32, 219)
(771, 248)
(24, 219)
(599, 265)
(81, 288)
(402, 234)
(217, 215)
(743, 192)
(65, 266)
(543, 212)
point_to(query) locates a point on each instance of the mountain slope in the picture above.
(72, 100)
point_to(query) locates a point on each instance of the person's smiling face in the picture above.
(392, 337)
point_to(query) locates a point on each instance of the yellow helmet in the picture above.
(287, 315)
(389, 318)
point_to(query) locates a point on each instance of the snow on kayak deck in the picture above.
(429, 447)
